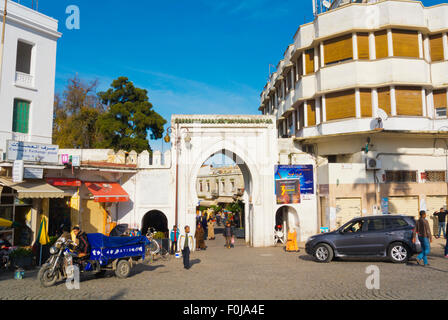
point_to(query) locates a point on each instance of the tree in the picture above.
(129, 118)
(75, 115)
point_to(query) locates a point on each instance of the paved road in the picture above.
(249, 273)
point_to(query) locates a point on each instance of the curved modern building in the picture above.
(363, 89)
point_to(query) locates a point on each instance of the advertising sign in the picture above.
(31, 152)
(385, 205)
(33, 173)
(17, 171)
(292, 181)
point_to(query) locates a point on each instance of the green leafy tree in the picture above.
(129, 119)
(75, 114)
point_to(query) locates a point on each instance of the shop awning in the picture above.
(33, 189)
(107, 192)
(64, 182)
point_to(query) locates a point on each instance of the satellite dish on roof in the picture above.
(326, 4)
(381, 114)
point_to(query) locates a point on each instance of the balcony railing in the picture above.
(24, 80)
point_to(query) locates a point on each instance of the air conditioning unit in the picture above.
(373, 164)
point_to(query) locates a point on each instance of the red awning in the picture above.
(64, 182)
(107, 192)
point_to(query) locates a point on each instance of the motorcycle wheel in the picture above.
(46, 278)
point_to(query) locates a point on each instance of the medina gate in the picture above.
(251, 141)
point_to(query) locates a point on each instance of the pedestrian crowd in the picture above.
(205, 230)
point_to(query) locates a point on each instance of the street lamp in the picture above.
(177, 142)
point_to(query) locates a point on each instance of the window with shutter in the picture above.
(338, 49)
(20, 116)
(440, 103)
(405, 43)
(340, 105)
(381, 44)
(309, 61)
(436, 47)
(311, 112)
(384, 99)
(366, 103)
(363, 46)
(409, 101)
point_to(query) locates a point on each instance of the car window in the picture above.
(392, 223)
(354, 227)
(375, 225)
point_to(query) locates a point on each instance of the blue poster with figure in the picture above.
(293, 180)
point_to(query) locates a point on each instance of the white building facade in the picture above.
(363, 91)
(28, 75)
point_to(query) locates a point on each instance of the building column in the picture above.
(424, 107)
(427, 54)
(358, 103)
(445, 46)
(372, 46)
(294, 123)
(430, 105)
(374, 102)
(420, 45)
(393, 101)
(305, 114)
(322, 55)
(304, 63)
(318, 107)
(324, 110)
(390, 43)
(297, 113)
(316, 59)
(293, 82)
(355, 46)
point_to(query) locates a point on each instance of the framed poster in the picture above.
(292, 181)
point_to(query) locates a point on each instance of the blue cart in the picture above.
(115, 253)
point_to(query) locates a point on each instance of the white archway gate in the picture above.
(251, 141)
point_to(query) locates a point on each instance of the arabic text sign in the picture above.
(32, 152)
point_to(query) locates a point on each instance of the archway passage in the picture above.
(155, 219)
(286, 220)
(223, 187)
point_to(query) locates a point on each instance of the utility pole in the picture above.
(3, 42)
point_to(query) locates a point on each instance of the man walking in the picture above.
(187, 244)
(174, 237)
(424, 236)
(441, 215)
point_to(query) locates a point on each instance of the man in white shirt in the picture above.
(186, 244)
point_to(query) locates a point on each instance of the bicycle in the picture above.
(154, 249)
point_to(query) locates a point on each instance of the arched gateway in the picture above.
(251, 142)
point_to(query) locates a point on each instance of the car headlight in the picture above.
(311, 239)
(53, 250)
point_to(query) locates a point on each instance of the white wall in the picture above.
(41, 31)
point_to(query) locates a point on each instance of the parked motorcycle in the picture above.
(60, 265)
(107, 253)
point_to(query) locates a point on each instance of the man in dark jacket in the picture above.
(441, 215)
(83, 247)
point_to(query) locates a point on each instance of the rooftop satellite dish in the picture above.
(382, 115)
(326, 4)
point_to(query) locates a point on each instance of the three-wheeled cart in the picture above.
(115, 253)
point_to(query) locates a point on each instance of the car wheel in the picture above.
(323, 253)
(398, 253)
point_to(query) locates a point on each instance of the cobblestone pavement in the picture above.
(248, 273)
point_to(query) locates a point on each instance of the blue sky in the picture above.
(197, 56)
